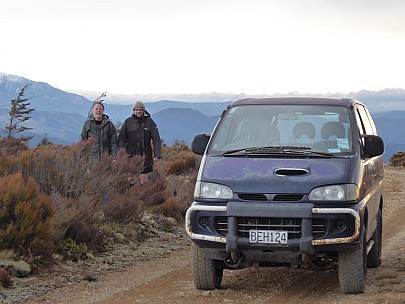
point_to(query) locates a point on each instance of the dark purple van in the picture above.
(288, 182)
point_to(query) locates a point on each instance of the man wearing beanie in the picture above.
(137, 135)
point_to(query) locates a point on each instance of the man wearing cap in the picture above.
(136, 136)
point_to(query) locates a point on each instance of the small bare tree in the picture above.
(98, 99)
(19, 113)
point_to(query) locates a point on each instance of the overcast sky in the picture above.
(199, 46)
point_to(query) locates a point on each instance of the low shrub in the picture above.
(25, 217)
(5, 277)
(71, 250)
(184, 165)
(129, 207)
(398, 159)
(170, 208)
(13, 145)
(56, 197)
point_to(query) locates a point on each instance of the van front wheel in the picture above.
(353, 267)
(207, 273)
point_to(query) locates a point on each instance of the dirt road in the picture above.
(168, 280)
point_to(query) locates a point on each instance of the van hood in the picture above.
(275, 175)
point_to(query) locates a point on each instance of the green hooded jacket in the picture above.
(105, 134)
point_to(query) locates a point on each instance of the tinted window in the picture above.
(320, 128)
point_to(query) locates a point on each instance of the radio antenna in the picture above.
(237, 97)
(97, 100)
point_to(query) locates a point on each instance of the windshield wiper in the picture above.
(266, 149)
(300, 150)
(236, 151)
(297, 150)
(285, 148)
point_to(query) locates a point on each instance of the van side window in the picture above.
(368, 128)
(371, 121)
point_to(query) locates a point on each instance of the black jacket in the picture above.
(137, 135)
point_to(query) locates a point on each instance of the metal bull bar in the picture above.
(196, 236)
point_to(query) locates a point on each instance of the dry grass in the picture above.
(6, 254)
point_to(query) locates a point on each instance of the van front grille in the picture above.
(252, 196)
(292, 225)
(287, 197)
(270, 197)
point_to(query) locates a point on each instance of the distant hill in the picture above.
(42, 96)
(206, 108)
(381, 101)
(391, 127)
(60, 115)
(59, 127)
(192, 122)
(121, 112)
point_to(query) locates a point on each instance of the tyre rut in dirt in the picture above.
(207, 273)
(353, 267)
(374, 256)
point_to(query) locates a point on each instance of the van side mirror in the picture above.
(373, 145)
(199, 143)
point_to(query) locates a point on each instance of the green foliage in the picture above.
(45, 141)
(71, 250)
(18, 114)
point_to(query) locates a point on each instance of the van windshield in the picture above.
(317, 128)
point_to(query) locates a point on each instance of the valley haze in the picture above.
(59, 115)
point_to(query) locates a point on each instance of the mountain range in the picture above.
(59, 115)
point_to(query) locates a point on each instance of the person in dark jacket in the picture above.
(137, 134)
(103, 130)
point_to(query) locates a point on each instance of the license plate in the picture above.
(268, 236)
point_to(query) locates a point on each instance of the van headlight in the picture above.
(346, 192)
(211, 190)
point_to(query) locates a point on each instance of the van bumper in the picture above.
(338, 225)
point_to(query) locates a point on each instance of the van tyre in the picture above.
(374, 256)
(207, 273)
(353, 267)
